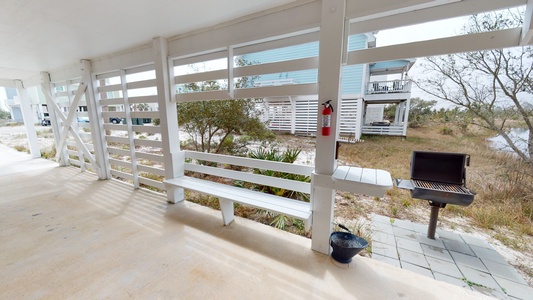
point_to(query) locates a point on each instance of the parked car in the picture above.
(115, 120)
(83, 120)
(45, 122)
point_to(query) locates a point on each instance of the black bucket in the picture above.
(346, 245)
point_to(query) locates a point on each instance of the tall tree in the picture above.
(488, 83)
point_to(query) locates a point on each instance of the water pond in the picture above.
(519, 135)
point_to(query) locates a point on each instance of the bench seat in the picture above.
(228, 194)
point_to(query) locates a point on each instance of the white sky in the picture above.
(420, 32)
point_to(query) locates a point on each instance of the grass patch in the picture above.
(21, 148)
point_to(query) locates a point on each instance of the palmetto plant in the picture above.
(288, 155)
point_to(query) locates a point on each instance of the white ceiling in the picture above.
(40, 35)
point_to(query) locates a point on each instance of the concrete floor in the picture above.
(64, 234)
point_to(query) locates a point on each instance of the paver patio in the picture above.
(459, 259)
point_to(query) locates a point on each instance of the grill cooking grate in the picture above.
(454, 188)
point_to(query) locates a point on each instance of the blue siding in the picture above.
(389, 64)
(298, 77)
(352, 79)
(356, 42)
(352, 76)
(283, 54)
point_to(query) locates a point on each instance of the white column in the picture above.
(174, 159)
(27, 116)
(406, 115)
(96, 121)
(293, 115)
(329, 78)
(131, 133)
(397, 114)
(359, 119)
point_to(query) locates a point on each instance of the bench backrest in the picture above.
(221, 160)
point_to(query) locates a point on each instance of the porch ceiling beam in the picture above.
(441, 12)
(527, 29)
(139, 56)
(69, 72)
(464, 43)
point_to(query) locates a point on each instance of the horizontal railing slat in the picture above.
(121, 163)
(149, 156)
(120, 174)
(110, 88)
(112, 101)
(277, 91)
(277, 67)
(141, 84)
(153, 183)
(252, 163)
(148, 143)
(152, 170)
(118, 151)
(292, 185)
(145, 114)
(143, 99)
(203, 76)
(201, 96)
(116, 139)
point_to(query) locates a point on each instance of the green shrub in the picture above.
(446, 130)
(287, 156)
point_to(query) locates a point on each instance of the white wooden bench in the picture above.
(228, 194)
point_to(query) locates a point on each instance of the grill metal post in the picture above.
(435, 206)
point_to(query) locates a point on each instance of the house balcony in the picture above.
(387, 91)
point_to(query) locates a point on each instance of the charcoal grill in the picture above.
(440, 178)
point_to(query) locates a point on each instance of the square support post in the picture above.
(168, 114)
(329, 79)
(27, 115)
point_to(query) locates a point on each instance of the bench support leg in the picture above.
(226, 206)
(175, 195)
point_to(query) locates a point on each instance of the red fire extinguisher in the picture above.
(326, 118)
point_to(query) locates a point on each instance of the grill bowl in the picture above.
(346, 245)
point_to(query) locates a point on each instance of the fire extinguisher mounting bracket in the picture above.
(327, 104)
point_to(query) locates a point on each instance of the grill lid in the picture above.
(439, 166)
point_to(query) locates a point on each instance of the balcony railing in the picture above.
(383, 130)
(386, 87)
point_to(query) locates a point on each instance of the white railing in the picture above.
(384, 130)
(386, 87)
